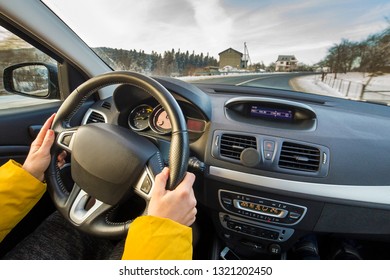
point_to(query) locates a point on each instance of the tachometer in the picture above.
(139, 117)
(159, 121)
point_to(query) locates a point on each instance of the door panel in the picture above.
(18, 129)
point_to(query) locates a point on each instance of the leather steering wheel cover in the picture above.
(178, 154)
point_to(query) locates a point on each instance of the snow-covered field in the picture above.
(350, 85)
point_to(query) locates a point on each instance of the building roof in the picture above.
(229, 50)
(286, 58)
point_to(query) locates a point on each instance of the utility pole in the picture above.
(246, 57)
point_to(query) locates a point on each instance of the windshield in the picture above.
(336, 48)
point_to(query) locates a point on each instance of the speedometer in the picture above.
(139, 117)
(159, 121)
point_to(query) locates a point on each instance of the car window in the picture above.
(15, 51)
(304, 46)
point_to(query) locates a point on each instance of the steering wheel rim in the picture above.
(178, 153)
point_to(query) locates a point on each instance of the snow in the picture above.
(349, 85)
(312, 84)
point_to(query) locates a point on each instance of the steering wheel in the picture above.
(109, 162)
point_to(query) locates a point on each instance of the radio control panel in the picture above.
(261, 209)
(255, 229)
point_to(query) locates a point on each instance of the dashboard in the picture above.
(278, 164)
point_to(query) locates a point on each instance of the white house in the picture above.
(286, 63)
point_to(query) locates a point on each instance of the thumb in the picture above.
(160, 182)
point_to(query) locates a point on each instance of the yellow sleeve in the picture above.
(153, 238)
(19, 192)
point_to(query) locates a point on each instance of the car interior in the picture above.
(280, 174)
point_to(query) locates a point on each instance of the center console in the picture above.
(261, 209)
(257, 224)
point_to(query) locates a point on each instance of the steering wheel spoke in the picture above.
(66, 138)
(145, 184)
(83, 207)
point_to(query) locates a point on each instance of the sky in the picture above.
(306, 29)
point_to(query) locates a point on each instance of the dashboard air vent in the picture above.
(299, 157)
(106, 105)
(95, 117)
(232, 145)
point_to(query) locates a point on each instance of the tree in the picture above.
(181, 63)
(370, 55)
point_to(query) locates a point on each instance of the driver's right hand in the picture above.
(179, 204)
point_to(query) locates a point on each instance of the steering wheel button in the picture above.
(146, 185)
(66, 140)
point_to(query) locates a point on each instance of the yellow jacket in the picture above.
(151, 238)
(19, 192)
(148, 237)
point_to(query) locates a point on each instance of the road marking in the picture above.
(269, 76)
(251, 80)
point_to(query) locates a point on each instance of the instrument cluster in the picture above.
(145, 117)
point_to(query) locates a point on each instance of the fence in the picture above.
(356, 90)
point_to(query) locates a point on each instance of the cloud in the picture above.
(302, 28)
(213, 23)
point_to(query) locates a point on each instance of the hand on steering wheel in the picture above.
(182, 198)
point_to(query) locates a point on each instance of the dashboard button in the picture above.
(275, 249)
(269, 145)
(294, 215)
(226, 201)
(268, 155)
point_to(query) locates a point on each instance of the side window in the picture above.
(28, 76)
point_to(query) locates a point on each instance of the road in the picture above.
(270, 80)
(14, 101)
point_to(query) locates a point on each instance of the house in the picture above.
(286, 63)
(230, 57)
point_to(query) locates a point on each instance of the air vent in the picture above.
(232, 145)
(106, 105)
(95, 117)
(299, 157)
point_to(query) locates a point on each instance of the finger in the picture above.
(62, 156)
(188, 181)
(160, 182)
(42, 133)
(193, 196)
(47, 142)
(61, 159)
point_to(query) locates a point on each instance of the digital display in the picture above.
(271, 113)
(195, 125)
(260, 208)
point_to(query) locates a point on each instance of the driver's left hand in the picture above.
(38, 158)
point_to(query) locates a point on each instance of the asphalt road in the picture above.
(14, 101)
(270, 80)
